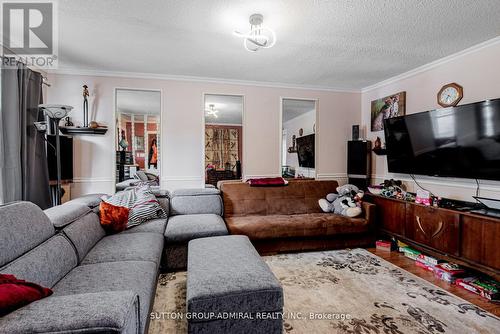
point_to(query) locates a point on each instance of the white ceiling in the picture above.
(334, 44)
(294, 108)
(137, 102)
(229, 109)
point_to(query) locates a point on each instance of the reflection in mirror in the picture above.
(223, 137)
(137, 137)
(298, 156)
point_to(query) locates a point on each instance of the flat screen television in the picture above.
(462, 141)
(66, 157)
(305, 151)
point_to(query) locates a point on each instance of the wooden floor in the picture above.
(407, 264)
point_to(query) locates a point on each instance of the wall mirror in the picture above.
(223, 137)
(137, 144)
(298, 138)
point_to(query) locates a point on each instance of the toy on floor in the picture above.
(346, 202)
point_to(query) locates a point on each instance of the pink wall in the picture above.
(182, 128)
(478, 71)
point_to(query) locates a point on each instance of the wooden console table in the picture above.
(462, 237)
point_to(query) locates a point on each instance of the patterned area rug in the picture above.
(348, 291)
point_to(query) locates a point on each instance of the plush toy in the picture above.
(346, 202)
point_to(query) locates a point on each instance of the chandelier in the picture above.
(211, 111)
(259, 36)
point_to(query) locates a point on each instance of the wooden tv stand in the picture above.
(462, 237)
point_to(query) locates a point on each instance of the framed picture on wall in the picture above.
(387, 107)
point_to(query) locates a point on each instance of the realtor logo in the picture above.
(29, 33)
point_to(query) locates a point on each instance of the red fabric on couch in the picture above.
(268, 182)
(16, 293)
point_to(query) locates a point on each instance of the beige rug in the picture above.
(349, 291)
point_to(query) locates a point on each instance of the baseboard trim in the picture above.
(333, 176)
(91, 179)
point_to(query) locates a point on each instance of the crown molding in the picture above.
(168, 77)
(433, 64)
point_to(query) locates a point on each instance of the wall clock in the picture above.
(449, 95)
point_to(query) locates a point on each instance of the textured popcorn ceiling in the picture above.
(336, 44)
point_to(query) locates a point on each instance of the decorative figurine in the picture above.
(123, 142)
(68, 122)
(85, 106)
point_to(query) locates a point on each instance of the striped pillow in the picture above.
(142, 204)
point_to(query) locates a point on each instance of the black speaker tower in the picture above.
(359, 163)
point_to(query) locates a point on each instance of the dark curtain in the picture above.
(24, 172)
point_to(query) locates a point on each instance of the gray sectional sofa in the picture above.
(102, 283)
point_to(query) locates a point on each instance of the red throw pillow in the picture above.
(15, 293)
(114, 218)
(268, 182)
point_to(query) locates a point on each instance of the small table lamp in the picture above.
(56, 112)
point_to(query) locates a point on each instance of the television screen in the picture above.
(305, 151)
(66, 157)
(461, 141)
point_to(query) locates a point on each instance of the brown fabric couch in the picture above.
(282, 219)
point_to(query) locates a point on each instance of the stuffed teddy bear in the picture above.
(346, 202)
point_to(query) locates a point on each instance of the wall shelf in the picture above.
(80, 131)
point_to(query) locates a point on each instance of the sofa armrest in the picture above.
(369, 210)
(103, 312)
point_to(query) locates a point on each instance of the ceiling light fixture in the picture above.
(259, 36)
(211, 111)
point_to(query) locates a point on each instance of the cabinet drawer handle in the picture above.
(438, 230)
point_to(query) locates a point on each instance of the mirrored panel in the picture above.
(138, 114)
(223, 138)
(298, 142)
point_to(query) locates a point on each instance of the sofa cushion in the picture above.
(136, 276)
(127, 247)
(195, 201)
(16, 293)
(145, 207)
(65, 214)
(141, 175)
(248, 283)
(90, 200)
(85, 233)
(142, 204)
(298, 225)
(113, 218)
(108, 312)
(46, 264)
(187, 227)
(23, 226)
(152, 226)
(299, 197)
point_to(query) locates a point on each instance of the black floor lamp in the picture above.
(56, 112)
